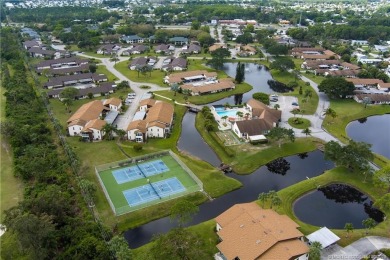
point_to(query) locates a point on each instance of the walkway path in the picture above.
(356, 250)
(123, 120)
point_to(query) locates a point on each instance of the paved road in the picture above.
(123, 120)
(356, 250)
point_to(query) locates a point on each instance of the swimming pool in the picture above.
(229, 113)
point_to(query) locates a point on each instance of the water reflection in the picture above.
(375, 130)
(278, 166)
(334, 205)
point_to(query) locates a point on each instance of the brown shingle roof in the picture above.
(161, 112)
(221, 85)
(178, 77)
(147, 102)
(254, 126)
(260, 110)
(94, 124)
(250, 232)
(137, 124)
(113, 101)
(87, 112)
(315, 56)
(358, 81)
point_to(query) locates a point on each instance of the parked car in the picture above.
(273, 99)
(295, 104)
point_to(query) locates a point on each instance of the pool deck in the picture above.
(226, 124)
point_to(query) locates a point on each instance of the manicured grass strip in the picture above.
(303, 122)
(316, 79)
(101, 69)
(156, 76)
(337, 175)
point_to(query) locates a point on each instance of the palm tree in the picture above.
(120, 133)
(330, 112)
(263, 197)
(108, 129)
(306, 131)
(67, 102)
(315, 250)
(368, 224)
(308, 93)
(295, 112)
(349, 228)
(224, 118)
(276, 106)
(240, 114)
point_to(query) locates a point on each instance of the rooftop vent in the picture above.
(258, 241)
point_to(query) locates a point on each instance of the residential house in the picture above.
(263, 119)
(248, 232)
(191, 49)
(108, 49)
(145, 104)
(210, 87)
(384, 86)
(138, 62)
(190, 76)
(175, 64)
(84, 68)
(339, 73)
(86, 121)
(37, 52)
(216, 46)
(297, 52)
(246, 50)
(326, 237)
(179, 40)
(113, 104)
(132, 39)
(359, 42)
(84, 78)
(376, 99)
(61, 63)
(365, 83)
(34, 43)
(103, 89)
(164, 49)
(157, 123)
(138, 49)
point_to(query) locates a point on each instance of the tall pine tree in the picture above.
(240, 73)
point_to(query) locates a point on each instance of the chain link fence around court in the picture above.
(195, 185)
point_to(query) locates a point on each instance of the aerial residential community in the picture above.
(194, 129)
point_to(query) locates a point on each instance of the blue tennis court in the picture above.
(153, 191)
(137, 172)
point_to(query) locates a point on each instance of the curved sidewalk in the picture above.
(358, 249)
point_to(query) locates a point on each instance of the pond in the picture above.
(373, 130)
(276, 175)
(255, 75)
(334, 205)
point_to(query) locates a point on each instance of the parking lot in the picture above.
(285, 105)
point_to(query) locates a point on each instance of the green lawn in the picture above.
(316, 79)
(215, 182)
(205, 99)
(101, 69)
(337, 175)
(205, 232)
(246, 158)
(156, 76)
(115, 190)
(348, 110)
(11, 188)
(307, 108)
(300, 123)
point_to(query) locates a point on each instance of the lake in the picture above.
(374, 130)
(334, 205)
